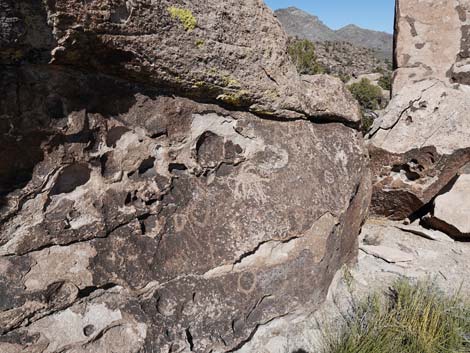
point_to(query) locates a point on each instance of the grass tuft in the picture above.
(413, 318)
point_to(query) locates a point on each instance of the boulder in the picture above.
(419, 145)
(231, 53)
(452, 209)
(430, 37)
(134, 217)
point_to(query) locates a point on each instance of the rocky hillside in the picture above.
(380, 42)
(298, 23)
(303, 25)
(346, 60)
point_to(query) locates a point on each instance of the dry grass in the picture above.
(412, 318)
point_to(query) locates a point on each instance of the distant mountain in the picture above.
(298, 23)
(358, 36)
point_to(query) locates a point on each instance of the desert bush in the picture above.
(411, 318)
(368, 95)
(302, 52)
(386, 81)
(344, 77)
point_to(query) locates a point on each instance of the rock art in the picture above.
(157, 202)
(446, 263)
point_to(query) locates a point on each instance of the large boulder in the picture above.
(133, 219)
(430, 40)
(422, 141)
(231, 52)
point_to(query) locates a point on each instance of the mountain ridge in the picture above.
(301, 24)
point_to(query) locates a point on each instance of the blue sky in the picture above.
(371, 14)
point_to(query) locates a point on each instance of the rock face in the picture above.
(452, 208)
(447, 263)
(431, 41)
(145, 40)
(422, 141)
(134, 217)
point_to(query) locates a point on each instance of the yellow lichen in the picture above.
(235, 98)
(185, 16)
(272, 94)
(199, 43)
(260, 110)
(231, 82)
(199, 84)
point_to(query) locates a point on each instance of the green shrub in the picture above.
(344, 77)
(379, 70)
(303, 55)
(413, 318)
(368, 95)
(386, 82)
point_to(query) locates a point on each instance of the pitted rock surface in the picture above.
(135, 220)
(431, 41)
(422, 141)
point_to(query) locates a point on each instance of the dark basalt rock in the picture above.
(137, 221)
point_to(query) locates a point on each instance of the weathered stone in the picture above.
(135, 220)
(419, 145)
(431, 37)
(388, 254)
(218, 234)
(143, 40)
(426, 233)
(451, 209)
(447, 264)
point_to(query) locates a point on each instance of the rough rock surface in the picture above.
(231, 52)
(452, 209)
(430, 234)
(136, 220)
(422, 141)
(431, 40)
(446, 263)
